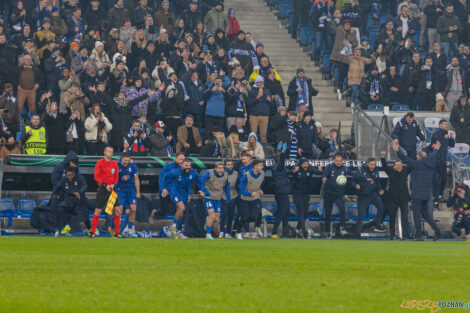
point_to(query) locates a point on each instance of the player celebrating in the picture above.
(250, 192)
(163, 183)
(128, 191)
(106, 176)
(334, 192)
(215, 183)
(228, 208)
(180, 181)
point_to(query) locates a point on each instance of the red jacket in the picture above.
(233, 28)
(106, 172)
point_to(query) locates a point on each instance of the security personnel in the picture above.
(302, 185)
(397, 195)
(282, 189)
(228, 208)
(405, 133)
(250, 193)
(334, 193)
(34, 137)
(459, 200)
(368, 192)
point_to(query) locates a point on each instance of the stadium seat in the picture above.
(43, 202)
(290, 19)
(7, 209)
(460, 154)
(400, 107)
(352, 213)
(307, 34)
(284, 7)
(431, 124)
(26, 207)
(375, 107)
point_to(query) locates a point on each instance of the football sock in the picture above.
(130, 225)
(117, 220)
(94, 222)
(124, 222)
(208, 230)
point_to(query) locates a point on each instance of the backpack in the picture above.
(43, 219)
(194, 218)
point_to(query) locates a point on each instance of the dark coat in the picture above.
(422, 172)
(462, 128)
(292, 93)
(195, 93)
(159, 145)
(439, 135)
(231, 96)
(367, 188)
(331, 173)
(279, 129)
(59, 170)
(397, 190)
(303, 180)
(276, 89)
(282, 183)
(307, 136)
(406, 134)
(261, 106)
(55, 131)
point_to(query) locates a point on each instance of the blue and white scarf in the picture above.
(249, 53)
(374, 87)
(325, 16)
(293, 140)
(77, 35)
(211, 68)
(302, 96)
(240, 103)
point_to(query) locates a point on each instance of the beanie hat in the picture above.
(98, 43)
(364, 38)
(159, 124)
(281, 108)
(259, 79)
(240, 32)
(300, 70)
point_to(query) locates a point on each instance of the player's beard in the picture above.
(186, 170)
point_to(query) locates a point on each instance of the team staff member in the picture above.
(71, 190)
(250, 193)
(282, 189)
(459, 200)
(302, 185)
(215, 184)
(368, 192)
(34, 137)
(128, 191)
(228, 208)
(180, 181)
(163, 184)
(106, 177)
(421, 177)
(397, 195)
(334, 193)
(405, 133)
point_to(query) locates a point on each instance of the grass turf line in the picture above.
(104, 275)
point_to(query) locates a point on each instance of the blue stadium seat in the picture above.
(8, 210)
(373, 31)
(400, 107)
(271, 207)
(26, 207)
(272, 2)
(43, 202)
(375, 107)
(290, 18)
(284, 7)
(352, 213)
(307, 34)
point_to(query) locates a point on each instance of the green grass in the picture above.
(147, 275)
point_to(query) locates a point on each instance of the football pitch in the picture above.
(43, 274)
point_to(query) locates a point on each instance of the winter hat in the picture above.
(170, 74)
(230, 10)
(300, 70)
(281, 108)
(307, 113)
(259, 44)
(374, 68)
(98, 43)
(439, 96)
(253, 134)
(165, 1)
(171, 88)
(259, 79)
(137, 77)
(240, 32)
(364, 38)
(346, 21)
(74, 43)
(159, 124)
(302, 160)
(163, 30)
(119, 62)
(209, 36)
(193, 1)
(54, 9)
(162, 59)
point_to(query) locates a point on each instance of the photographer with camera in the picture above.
(137, 143)
(97, 127)
(459, 201)
(215, 99)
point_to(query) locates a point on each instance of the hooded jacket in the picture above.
(443, 24)
(59, 170)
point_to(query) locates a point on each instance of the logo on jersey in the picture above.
(112, 171)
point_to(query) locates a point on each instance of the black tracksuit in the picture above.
(283, 188)
(334, 193)
(397, 196)
(368, 194)
(302, 185)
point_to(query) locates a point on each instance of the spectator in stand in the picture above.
(236, 103)
(322, 17)
(234, 26)
(140, 12)
(117, 15)
(189, 140)
(33, 137)
(278, 131)
(75, 132)
(406, 132)
(344, 37)
(307, 136)
(136, 91)
(264, 67)
(18, 17)
(448, 26)
(29, 79)
(164, 17)
(9, 110)
(460, 120)
(75, 99)
(55, 124)
(429, 83)
(195, 105)
(433, 11)
(410, 80)
(259, 108)
(275, 87)
(214, 96)
(456, 82)
(441, 105)
(94, 15)
(356, 72)
(53, 67)
(9, 147)
(392, 87)
(232, 148)
(137, 143)
(217, 18)
(240, 128)
(76, 26)
(173, 106)
(244, 52)
(253, 147)
(350, 11)
(97, 127)
(438, 59)
(67, 78)
(404, 24)
(387, 40)
(300, 92)
(192, 16)
(160, 145)
(371, 89)
(214, 141)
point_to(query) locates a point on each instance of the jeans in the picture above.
(447, 49)
(355, 93)
(321, 37)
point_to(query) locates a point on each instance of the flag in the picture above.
(111, 202)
